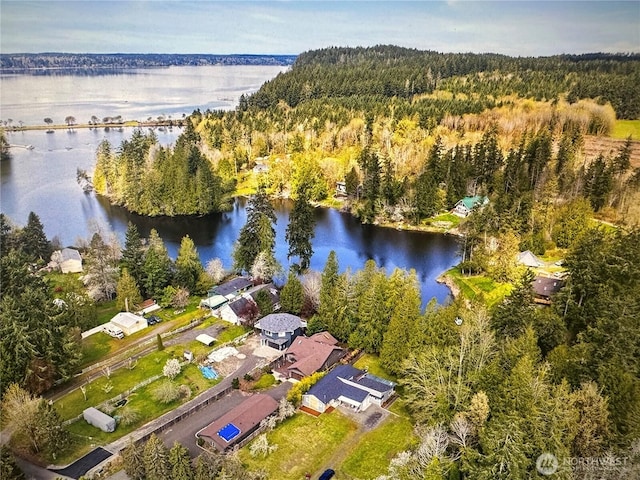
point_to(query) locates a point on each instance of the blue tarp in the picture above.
(229, 432)
(209, 373)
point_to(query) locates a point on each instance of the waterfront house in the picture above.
(465, 206)
(232, 288)
(278, 330)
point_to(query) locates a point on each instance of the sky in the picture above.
(518, 28)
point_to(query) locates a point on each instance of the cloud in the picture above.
(510, 27)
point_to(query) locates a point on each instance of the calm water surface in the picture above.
(43, 180)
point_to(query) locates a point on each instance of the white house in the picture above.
(129, 323)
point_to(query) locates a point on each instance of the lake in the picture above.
(43, 179)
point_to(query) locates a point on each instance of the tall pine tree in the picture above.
(300, 231)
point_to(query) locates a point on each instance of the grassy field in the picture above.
(304, 444)
(371, 455)
(624, 128)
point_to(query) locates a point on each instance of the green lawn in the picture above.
(106, 311)
(371, 363)
(266, 381)
(479, 287)
(371, 455)
(85, 436)
(305, 444)
(624, 128)
(123, 379)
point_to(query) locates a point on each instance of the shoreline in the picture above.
(126, 124)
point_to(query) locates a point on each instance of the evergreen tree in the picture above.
(8, 467)
(127, 293)
(157, 266)
(133, 461)
(258, 234)
(300, 231)
(396, 344)
(8, 238)
(188, 265)
(33, 240)
(328, 291)
(292, 295)
(133, 254)
(263, 301)
(180, 461)
(517, 310)
(156, 459)
(371, 170)
(352, 181)
(207, 466)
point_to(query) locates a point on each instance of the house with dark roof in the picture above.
(464, 206)
(544, 288)
(346, 385)
(307, 355)
(232, 288)
(278, 330)
(242, 310)
(238, 423)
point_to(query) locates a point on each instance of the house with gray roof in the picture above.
(68, 260)
(232, 288)
(278, 330)
(349, 386)
(529, 259)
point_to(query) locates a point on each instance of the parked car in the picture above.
(153, 319)
(114, 331)
(327, 474)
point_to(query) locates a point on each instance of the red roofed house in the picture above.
(239, 423)
(307, 355)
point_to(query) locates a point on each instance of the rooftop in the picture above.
(280, 322)
(246, 417)
(232, 286)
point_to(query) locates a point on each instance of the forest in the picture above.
(21, 62)
(489, 386)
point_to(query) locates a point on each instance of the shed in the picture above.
(129, 323)
(100, 420)
(208, 340)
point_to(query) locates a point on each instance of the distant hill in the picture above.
(373, 75)
(21, 62)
